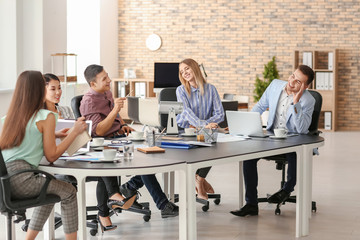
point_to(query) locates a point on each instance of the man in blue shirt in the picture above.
(290, 107)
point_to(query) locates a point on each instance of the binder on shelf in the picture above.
(331, 81)
(327, 120)
(326, 81)
(307, 58)
(330, 60)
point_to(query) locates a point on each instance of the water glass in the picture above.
(128, 151)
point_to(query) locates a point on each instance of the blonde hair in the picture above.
(199, 79)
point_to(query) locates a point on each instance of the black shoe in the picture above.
(105, 228)
(251, 210)
(124, 204)
(279, 197)
(170, 210)
(127, 192)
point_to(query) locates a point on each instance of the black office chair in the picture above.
(228, 105)
(281, 161)
(166, 94)
(10, 207)
(75, 105)
(169, 94)
(228, 96)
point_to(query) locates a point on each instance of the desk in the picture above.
(140, 165)
(188, 161)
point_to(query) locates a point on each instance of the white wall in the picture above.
(5, 98)
(8, 71)
(109, 37)
(54, 30)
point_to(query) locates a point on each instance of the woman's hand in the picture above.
(212, 125)
(79, 125)
(61, 133)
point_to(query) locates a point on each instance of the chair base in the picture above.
(206, 203)
(92, 221)
(291, 199)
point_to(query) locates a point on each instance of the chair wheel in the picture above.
(277, 211)
(93, 232)
(146, 218)
(217, 201)
(205, 208)
(25, 227)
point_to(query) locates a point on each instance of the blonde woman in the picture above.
(202, 107)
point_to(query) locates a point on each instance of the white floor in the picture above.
(335, 189)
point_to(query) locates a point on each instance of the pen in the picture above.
(160, 133)
(129, 93)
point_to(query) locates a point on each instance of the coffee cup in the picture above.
(189, 131)
(280, 132)
(98, 141)
(109, 154)
(137, 135)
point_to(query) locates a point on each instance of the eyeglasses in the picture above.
(120, 141)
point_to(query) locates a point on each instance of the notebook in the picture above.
(81, 144)
(245, 123)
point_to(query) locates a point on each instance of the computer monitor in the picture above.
(166, 75)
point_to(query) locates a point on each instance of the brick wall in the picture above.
(234, 39)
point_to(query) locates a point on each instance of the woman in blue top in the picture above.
(202, 107)
(28, 134)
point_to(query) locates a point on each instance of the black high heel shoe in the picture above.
(124, 204)
(105, 228)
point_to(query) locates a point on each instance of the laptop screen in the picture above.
(244, 123)
(62, 123)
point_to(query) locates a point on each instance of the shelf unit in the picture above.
(324, 62)
(130, 88)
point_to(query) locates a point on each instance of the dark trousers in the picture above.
(251, 178)
(152, 185)
(106, 187)
(203, 172)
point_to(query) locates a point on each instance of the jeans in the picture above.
(251, 178)
(152, 185)
(106, 187)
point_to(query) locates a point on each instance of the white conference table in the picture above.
(186, 162)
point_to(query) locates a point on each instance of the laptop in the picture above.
(245, 124)
(62, 123)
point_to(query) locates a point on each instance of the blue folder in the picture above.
(179, 145)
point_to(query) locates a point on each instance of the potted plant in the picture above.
(270, 73)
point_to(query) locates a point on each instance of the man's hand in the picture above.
(61, 133)
(298, 95)
(126, 130)
(119, 104)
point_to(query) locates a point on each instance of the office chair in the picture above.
(228, 105)
(10, 207)
(281, 161)
(169, 94)
(228, 96)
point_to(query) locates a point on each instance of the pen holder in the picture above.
(210, 134)
(150, 139)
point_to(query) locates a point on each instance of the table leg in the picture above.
(183, 228)
(172, 184)
(241, 185)
(49, 227)
(82, 208)
(191, 201)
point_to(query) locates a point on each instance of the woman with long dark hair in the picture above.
(27, 135)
